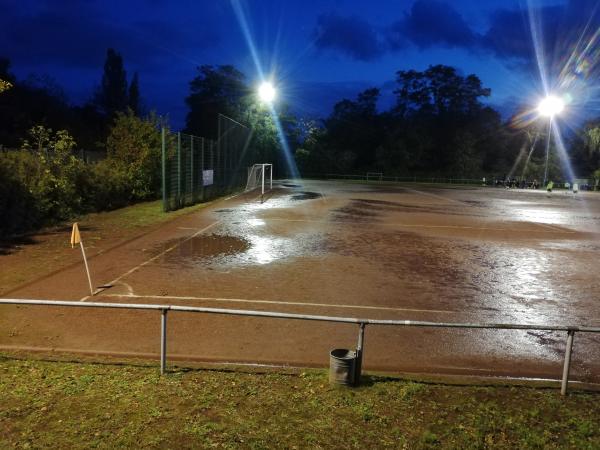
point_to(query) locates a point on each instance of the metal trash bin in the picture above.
(342, 366)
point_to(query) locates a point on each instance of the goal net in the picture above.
(374, 176)
(260, 176)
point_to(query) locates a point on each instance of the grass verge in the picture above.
(83, 405)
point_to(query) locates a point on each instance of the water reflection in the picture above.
(539, 215)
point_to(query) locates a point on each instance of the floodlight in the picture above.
(266, 92)
(551, 106)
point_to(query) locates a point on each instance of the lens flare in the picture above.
(551, 106)
(266, 92)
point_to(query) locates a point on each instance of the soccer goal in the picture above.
(260, 176)
(374, 176)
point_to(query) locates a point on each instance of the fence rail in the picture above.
(362, 322)
(489, 181)
(379, 177)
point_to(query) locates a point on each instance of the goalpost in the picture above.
(375, 176)
(260, 176)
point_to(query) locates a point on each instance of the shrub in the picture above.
(134, 146)
(18, 209)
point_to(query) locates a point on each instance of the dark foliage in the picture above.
(216, 90)
(111, 97)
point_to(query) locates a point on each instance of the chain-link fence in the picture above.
(197, 169)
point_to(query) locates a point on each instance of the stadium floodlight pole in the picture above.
(550, 107)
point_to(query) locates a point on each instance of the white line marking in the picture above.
(437, 196)
(271, 302)
(551, 227)
(154, 258)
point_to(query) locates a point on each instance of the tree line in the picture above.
(42, 179)
(438, 126)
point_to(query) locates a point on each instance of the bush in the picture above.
(107, 185)
(43, 183)
(134, 146)
(18, 208)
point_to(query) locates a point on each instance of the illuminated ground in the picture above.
(418, 252)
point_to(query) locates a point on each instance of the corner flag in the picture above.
(76, 239)
(75, 236)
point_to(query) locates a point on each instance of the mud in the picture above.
(305, 196)
(203, 249)
(373, 251)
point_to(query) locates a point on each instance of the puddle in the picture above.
(206, 247)
(290, 185)
(305, 196)
(227, 251)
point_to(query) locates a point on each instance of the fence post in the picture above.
(192, 169)
(163, 341)
(164, 170)
(218, 172)
(179, 170)
(359, 353)
(567, 365)
(202, 169)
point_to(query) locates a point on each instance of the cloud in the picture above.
(559, 30)
(508, 35)
(431, 23)
(351, 36)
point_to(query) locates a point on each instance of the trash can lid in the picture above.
(343, 353)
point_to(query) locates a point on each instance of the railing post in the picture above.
(567, 366)
(163, 341)
(359, 353)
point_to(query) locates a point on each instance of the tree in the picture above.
(4, 85)
(354, 131)
(216, 90)
(134, 100)
(585, 148)
(446, 106)
(50, 171)
(439, 90)
(39, 100)
(111, 97)
(134, 145)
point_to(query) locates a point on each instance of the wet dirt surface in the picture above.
(405, 252)
(204, 249)
(305, 196)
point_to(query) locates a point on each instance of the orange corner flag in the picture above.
(75, 236)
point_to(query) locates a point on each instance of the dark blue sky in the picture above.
(318, 50)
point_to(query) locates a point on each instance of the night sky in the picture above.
(318, 51)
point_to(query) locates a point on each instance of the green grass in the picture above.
(82, 405)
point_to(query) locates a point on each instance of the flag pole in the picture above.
(76, 239)
(87, 269)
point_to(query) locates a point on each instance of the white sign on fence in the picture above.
(207, 177)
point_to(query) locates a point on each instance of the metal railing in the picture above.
(164, 309)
